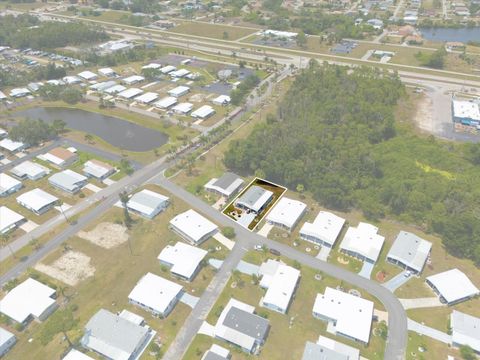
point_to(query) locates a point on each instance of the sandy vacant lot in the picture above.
(71, 268)
(106, 235)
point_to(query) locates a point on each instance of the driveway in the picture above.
(397, 281)
(419, 303)
(324, 253)
(428, 331)
(367, 269)
(247, 268)
(189, 300)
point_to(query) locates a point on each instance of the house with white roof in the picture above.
(183, 108)
(351, 316)
(88, 75)
(286, 213)
(130, 93)
(254, 199)
(55, 82)
(193, 227)
(167, 69)
(409, 252)
(183, 260)
(102, 86)
(180, 73)
(216, 353)
(12, 146)
(76, 355)
(452, 286)
(222, 100)
(134, 79)
(147, 203)
(156, 295)
(98, 169)
(281, 282)
(324, 230)
(29, 170)
(329, 349)
(153, 66)
(71, 80)
(115, 89)
(203, 112)
(9, 219)
(29, 300)
(166, 102)
(179, 91)
(2, 96)
(227, 185)
(115, 337)
(19, 92)
(68, 181)
(37, 201)
(7, 340)
(3, 133)
(109, 72)
(239, 325)
(147, 98)
(465, 330)
(59, 157)
(8, 185)
(363, 242)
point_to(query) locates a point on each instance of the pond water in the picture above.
(120, 133)
(445, 34)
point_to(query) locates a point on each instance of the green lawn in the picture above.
(215, 31)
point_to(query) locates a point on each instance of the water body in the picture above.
(445, 34)
(120, 133)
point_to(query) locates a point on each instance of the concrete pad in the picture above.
(207, 329)
(217, 264)
(229, 244)
(367, 55)
(92, 187)
(109, 182)
(247, 268)
(219, 204)
(20, 155)
(149, 85)
(28, 226)
(381, 315)
(428, 331)
(189, 300)
(397, 281)
(421, 303)
(367, 269)
(5, 161)
(265, 230)
(323, 253)
(331, 328)
(198, 122)
(63, 208)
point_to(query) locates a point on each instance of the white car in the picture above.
(407, 274)
(258, 247)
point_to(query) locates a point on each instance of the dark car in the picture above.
(275, 252)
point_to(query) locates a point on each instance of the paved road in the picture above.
(30, 155)
(397, 319)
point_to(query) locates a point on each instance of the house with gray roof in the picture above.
(254, 199)
(465, 330)
(227, 185)
(115, 337)
(216, 353)
(329, 349)
(147, 203)
(68, 181)
(7, 340)
(409, 251)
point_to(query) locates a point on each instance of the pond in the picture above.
(447, 34)
(120, 133)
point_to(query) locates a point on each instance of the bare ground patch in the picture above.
(71, 268)
(106, 235)
(424, 115)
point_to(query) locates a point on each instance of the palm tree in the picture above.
(60, 205)
(123, 195)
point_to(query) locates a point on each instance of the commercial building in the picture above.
(8, 185)
(60, 157)
(134, 79)
(88, 75)
(115, 337)
(183, 108)
(409, 252)
(98, 169)
(130, 93)
(203, 112)
(29, 170)
(183, 260)
(254, 199)
(7, 340)
(147, 98)
(156, 295)
(452, 286)
(329, 349)
(9, 219)
(76, 355)
(281, 283)
(350, 316)
(465, 330)
(68, 181)
(227, 185)
(147, 203)
(286, 213)
(239, 325)
(193, 227)
(37, 201)
(166, 102)
(324, 230)
(179, 91)
(29, 300)
(466, 112)
(12, 146)
(363, 242)
(216, 353)
(222, 100)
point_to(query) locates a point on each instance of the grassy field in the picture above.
(298, 325)
(214, 31)
(432, 349)
(117, 270)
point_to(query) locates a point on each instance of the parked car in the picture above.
(275, 252)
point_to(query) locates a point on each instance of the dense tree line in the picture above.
(33, 132)
(335, 136)
(24, 31)
(237, 95)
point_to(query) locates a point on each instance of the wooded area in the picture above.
(336, 136)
